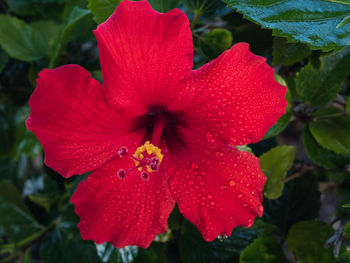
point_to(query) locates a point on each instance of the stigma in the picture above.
(147, 158)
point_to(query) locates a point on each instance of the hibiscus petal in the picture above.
(233, 99)
(216, 190)
(144, 54)
(129, 211)
(71, 120)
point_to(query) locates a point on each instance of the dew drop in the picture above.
(222, 237)
(210, 196)
(261, 208)
(239, 196)
(212, 203)
(250, 222)
(232, 183)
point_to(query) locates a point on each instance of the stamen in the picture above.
(121, 174)
(122, 151)
(147, 159)
(144, 175)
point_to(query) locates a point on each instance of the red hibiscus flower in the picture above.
(157, 132)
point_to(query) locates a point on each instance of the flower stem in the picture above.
(194, 20)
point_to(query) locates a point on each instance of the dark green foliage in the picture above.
(320, 155)
(307, 240)
(313, 21)
(287, 54)
(318, 86)
(300, 201)
(305, 155)
(263, 249)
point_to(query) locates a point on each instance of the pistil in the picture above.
(147, 157)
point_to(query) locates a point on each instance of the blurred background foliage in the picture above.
(306, 155)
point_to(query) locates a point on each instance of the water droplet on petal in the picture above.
(232, 183)
(222, 237)
(239, 196)
(250, 222)
(261, 208)
(210, 196)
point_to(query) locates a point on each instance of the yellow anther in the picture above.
(148, 150)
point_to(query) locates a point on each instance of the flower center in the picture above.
(147, 157)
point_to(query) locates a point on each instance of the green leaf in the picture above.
(280, 126)
(346, 206)
(313, 21)
(344, 258)
(333, 134)
(348, 106)
(156, 253)
(307, 240)
(206, 7)
(194, 249)
(27, 257)
(21, 40)
(244, 148)
(24, 141)
(29, 7)
(322, 156)
(164, 5)
(344, 2)
(263, 249)
(300, 201)
(42, 200)
(284, 120)
(216, 41)
(102, 9)
(65, 244)
(74, 20)
(15, 219)
(344, 22)
(275, 163)
(287, 54)
(319, 86)
(10, 193)
(48, 29)
(3, 59)
(347, 230)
